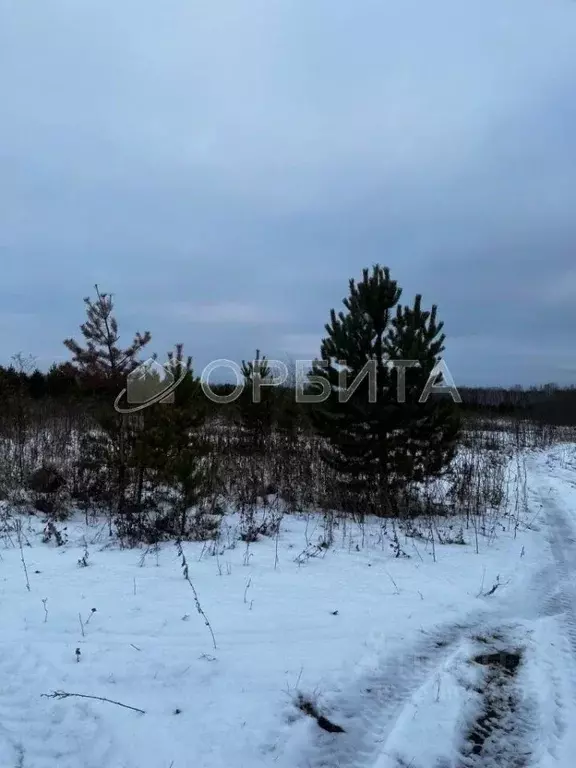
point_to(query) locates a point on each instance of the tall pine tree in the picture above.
(376, 444)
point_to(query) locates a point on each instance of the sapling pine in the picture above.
(102, 366)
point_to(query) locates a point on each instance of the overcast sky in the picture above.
(224, 167)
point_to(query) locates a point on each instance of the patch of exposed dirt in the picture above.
(498, 734)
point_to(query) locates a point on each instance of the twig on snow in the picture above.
(186, 574)
(66, 695)
(18, 526)
(393, 582)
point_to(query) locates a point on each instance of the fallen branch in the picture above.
(494, 587)
(306, 705)
(66, 695)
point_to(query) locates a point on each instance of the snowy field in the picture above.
(444, 659)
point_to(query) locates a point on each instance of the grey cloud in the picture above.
(255, 156)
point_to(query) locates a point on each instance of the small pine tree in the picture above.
(102, 362)
(376, 444)
(37, 385)
(172, 453)
(255, 404)
(102, 366)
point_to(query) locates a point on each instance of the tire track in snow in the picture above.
(37, 732)
(562, 536)
(561, 604)
(369, 710)
(502, 731)
(550, 686)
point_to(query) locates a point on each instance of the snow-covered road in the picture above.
(458, 699)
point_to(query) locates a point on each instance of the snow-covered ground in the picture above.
(399, 652)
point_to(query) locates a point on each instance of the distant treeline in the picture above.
(549, 403)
